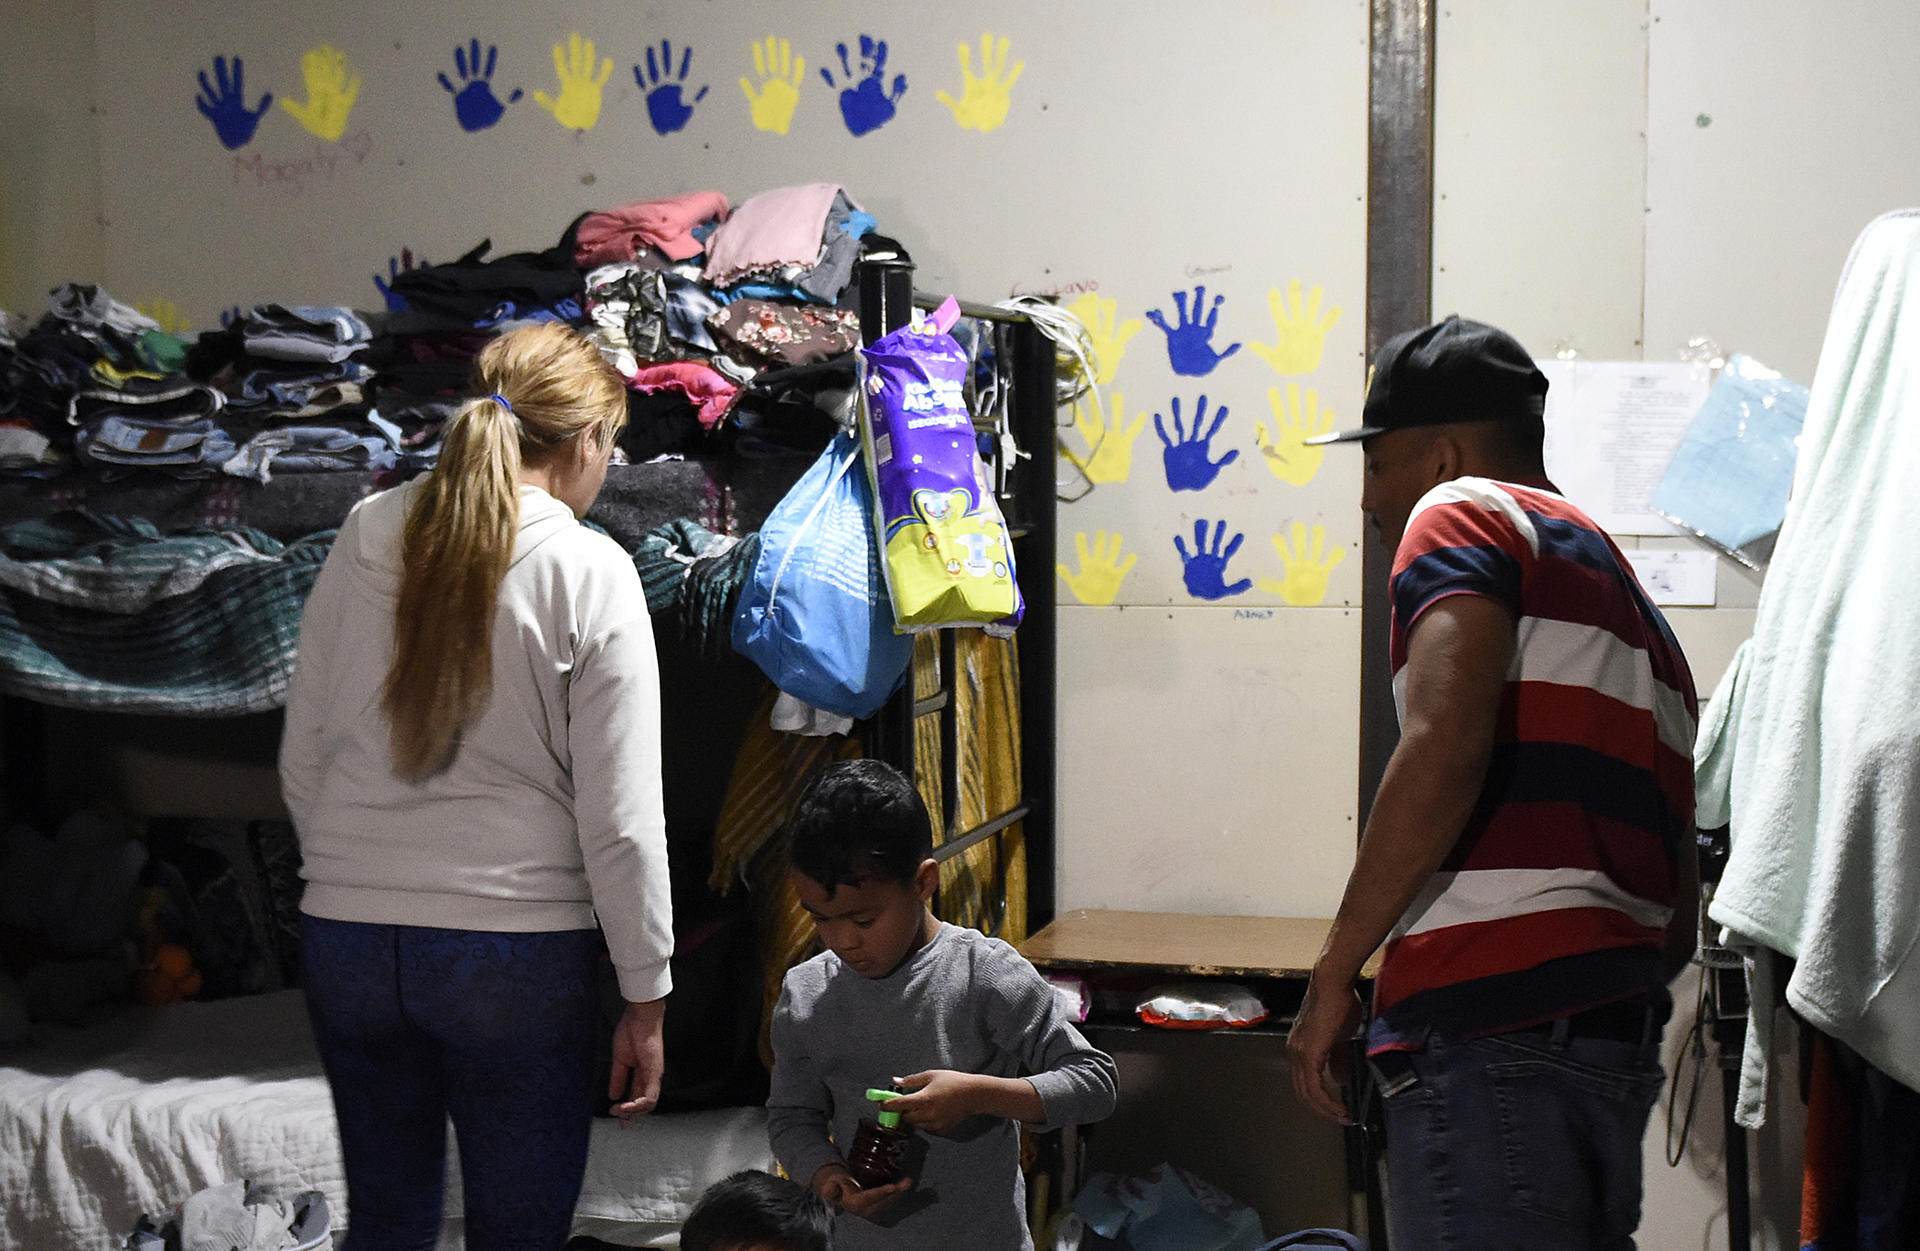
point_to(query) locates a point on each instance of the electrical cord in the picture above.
(988, 402)
(1695, 1050)
(1078, 364)
(1711, 960)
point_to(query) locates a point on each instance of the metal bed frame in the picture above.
(1025, 410)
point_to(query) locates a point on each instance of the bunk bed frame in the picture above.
(1025, 486)
(919, 730)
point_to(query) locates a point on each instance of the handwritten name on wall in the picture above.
(295, 174)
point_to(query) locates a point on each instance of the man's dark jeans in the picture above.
(1526, 1140)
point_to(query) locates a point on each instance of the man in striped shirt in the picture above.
(1529, 857)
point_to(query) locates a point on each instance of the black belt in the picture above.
(1625, 1020)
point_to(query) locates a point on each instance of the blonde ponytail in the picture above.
(541, 385)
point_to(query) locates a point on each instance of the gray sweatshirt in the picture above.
(551, 810)
(963, 1002)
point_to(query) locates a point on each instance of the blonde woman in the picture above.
(472, 761)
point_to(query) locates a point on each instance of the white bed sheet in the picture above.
(131, 1116)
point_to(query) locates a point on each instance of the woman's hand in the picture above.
(638, 1060)
(835, 1184)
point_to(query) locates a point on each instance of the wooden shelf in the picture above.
(1183, 943)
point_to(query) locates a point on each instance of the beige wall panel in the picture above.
(1138, 158)
(1775, 132)
(1208, 759)
(49, 152)
(1539, 160)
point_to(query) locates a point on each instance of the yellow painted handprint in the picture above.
(1105, 331)
(1287, 452)
(983, 100)
(332, 87)
(1109, 456)
(1101, 570)
(1307, 569)
(779, 92)
(1300, 332)
(167, 314)
(578, 106)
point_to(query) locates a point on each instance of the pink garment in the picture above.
(711, 393)
(616, 235)
(779, 227)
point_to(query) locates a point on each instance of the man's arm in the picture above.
(1458, 655)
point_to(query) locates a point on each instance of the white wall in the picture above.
(1139, 158)
(1775, 132)
(49, 151)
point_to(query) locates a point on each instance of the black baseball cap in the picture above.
(1453, 370)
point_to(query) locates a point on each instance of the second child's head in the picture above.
(755, 1211)
(862, 848)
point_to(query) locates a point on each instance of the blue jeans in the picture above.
(496, 1031)
(1529, 1141)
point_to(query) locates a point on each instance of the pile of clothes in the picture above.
(731, 324)
(707, 308)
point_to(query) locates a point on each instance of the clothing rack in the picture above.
(1022, 465)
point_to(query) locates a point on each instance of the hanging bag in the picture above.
(949, 557)
(815, 616)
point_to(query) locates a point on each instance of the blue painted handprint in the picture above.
(397, 265)
(474, 103)
(665, 109)
(1189, 342)
(1185, 454)
(866, 105)
(226, 107)
(1206, 569)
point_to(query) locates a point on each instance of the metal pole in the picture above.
(1399, 297)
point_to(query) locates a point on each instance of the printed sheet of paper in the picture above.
(1676, 579)
(1611, 429)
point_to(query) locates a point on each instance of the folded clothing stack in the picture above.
(795, 242)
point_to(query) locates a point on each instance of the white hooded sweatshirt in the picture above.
(551, 809)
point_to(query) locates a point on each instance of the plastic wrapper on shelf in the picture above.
(1202, 1005)
(1074, 995)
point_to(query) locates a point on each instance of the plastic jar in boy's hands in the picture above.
(880, 1144)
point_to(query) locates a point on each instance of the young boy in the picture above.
(755, 1211)
(951, 1016)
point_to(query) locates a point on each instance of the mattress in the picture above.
(133, 1115)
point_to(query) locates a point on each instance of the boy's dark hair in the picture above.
(755, 1209)
(859, 819)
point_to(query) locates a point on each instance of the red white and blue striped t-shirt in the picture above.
(1557, 895)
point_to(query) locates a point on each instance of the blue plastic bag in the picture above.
(1316, 1240)
(1166, 1209)
(815, 614)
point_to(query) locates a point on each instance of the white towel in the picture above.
(1817, 749)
